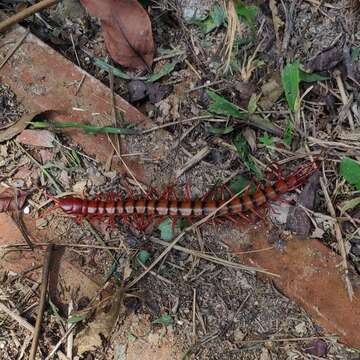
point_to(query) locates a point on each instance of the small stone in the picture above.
(153, 338)
(41, 223)
(239, 335)
(97, 180)
(80, 186)
(43, 138)
(301, 329)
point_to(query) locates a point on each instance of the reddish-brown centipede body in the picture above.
(240, 205)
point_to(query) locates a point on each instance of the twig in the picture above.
(54, 350)
(51, 179)
(44, 285)
(287, 339)
(194, 160)
(194, 315)
(80, 84)
(70, 340)
(340, 240)
(13, 50)
(213, 259)
(344, 97)
(205, 86)
(26, 13)
(21, 321)
(203, 117)
(180, 236)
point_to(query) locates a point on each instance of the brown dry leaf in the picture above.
(278, 23)
(298, 221)
(271, 91)
(43, 138)
(250, 136)
(89, 338)
(127, 31)
(326, 60)
(11, 200)
(18, 127)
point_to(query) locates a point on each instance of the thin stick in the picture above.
(339, 239)
(21, 321)
(194, 315)
(26, 13)
(70, 340)
(44, 285)
(194, 160)
(287, 339)
(180, 236)
(344, 97)
(203, 117)
(53, 351)
(80, 84)
(13, 50)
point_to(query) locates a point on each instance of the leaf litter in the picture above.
(213, 310)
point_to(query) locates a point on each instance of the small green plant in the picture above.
(165, 320)
(266, 140)
(291, 77)
(215, 19)
(243, 150)
(350, 170)
(288, 133)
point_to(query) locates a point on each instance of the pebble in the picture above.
(239, 335)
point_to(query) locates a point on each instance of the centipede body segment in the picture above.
(186, 208)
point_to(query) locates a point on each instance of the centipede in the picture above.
(235, 208)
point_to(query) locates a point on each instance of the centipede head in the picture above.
(301, 174)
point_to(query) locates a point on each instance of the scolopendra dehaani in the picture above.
(239, 207)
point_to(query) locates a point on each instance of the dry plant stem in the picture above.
(289, 339)
(203, 117)
(340, 240)
(26, 13)
(344, 97)
(55, 349)
(80, 84)
(13, 50)
(194, 315)
(44, 285)
(180, 236)
(17, 318)
(70, 339)
(232, 28)
(194, 160)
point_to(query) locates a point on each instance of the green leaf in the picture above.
(165, 70)
(238, 183)
(90, 129)
(221, 131)
(221, 106)
(116, 72)
(165, 320)
(350, 204)
(215, 19)
(248, 13)
(308, 77)
(355, 53)
(252, 104)
(131, 337)
(76, 318)
(266, 140)
(290, 80)
(350, 170)
(143, 256)
(243, 150)
(288, 134)
(166, 229)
